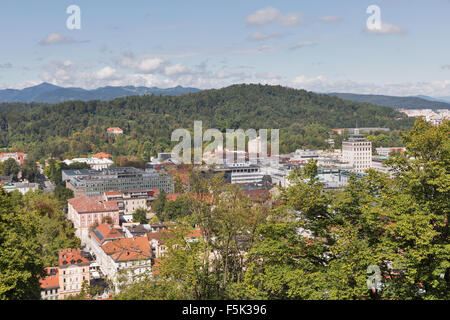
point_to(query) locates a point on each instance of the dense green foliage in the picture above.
(73, 129)
(140, 215)
(10, 168)
(172, 210)
(20, 253)
(32, 230)
(314, 244)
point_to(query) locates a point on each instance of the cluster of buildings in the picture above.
(435, 117)
(120, 254)
(7, 181)
(115, 248)
(334, 165)
(68, 277)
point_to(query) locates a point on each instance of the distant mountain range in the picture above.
(414, 102)
(49, 93)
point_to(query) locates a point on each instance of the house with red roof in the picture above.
(73, 272)
(50, 284)
(18, 156)
(126, 260)
(114, 131)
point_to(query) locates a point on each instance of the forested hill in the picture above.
(78, 128)
(395, 102)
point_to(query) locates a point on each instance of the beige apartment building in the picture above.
(73, 271)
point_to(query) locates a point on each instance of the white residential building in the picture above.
(22, 187)
(384, 152)
(94, 163)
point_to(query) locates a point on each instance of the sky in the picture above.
(318, 45)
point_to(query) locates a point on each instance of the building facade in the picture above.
(357, 152)
(18, 156)
(96, 183)
(73, 272)
(94, 163)
(86, 211)
(129, 201)
(50, 284)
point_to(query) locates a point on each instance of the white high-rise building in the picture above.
(357, 152)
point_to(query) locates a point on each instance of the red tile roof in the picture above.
(85, 204)
(105, 232)
(128, 249)
(51, 280)
(195, 234)
(156, 236)
(114, 128)
(113, 193)
(69, 257)
(101, 155)
(153, 193)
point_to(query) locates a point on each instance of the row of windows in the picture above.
(96, 215)
(76, 279)
(75, 271)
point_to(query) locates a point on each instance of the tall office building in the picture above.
(357, 151)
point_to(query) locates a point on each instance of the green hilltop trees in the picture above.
(78, 129)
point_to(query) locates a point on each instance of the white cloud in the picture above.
(270, 14)
(290, 19)
(263, 16)
(330, 19)
(175, 69)
(322, 84)
(386, 29)
(56, 38)
(106, 73)
(259, 36)
(260, 49)
(144, 65)
(303, 44)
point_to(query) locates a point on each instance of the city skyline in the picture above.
(320, 46)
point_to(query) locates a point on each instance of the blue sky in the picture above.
(320, 45)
